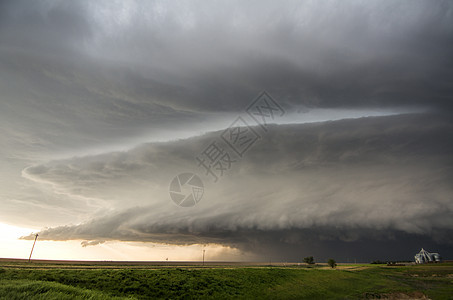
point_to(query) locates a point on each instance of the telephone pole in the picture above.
(36, 237)
(203, 256)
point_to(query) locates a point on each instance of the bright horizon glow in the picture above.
(11, 246)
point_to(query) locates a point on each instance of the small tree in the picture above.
(332, 263)
(309, 260)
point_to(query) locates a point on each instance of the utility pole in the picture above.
(36, 237)
(203, 256)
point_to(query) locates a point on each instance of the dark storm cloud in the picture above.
(216, 55)
(360, 182)
(50, 28)
(83, 75)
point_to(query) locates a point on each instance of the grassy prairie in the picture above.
(47, 281)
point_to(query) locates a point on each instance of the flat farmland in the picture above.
(42, 279)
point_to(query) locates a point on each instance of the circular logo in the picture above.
(186, 189)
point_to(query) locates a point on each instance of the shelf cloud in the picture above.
(342, 181)
(103, 103)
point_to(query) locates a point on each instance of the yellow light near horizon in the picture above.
(10, 231)
(12, 247)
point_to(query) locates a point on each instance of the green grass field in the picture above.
(46, 281)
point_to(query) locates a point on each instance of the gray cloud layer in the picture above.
(343, 181)
(213, 55)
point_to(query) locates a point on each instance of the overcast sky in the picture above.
(103, 103)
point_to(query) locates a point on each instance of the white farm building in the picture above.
(425, 257)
